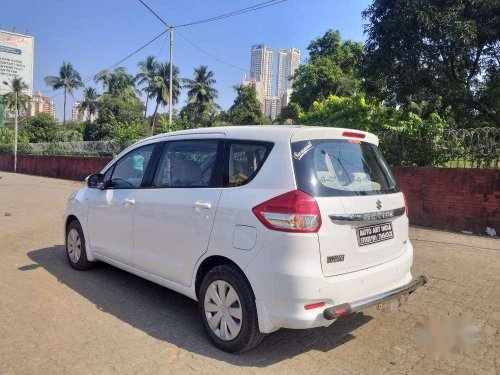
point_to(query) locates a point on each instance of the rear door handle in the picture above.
(202, 204)
(130, 201)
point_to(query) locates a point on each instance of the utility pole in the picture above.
(15, 123)
(171, 30)
(15, 135)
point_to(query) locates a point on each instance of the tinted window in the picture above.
(341, 167)
(188, 164)
(244, 161)
(129, 170)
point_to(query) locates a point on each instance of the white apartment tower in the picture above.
(261, 66)
(288, 62)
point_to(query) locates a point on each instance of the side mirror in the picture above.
(95, 181)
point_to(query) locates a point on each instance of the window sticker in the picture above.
(300, 154)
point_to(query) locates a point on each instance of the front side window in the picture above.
(189, 163)
(129, 170)
(340, 167)
(244, 161)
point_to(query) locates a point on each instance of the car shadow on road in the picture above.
(174, 318)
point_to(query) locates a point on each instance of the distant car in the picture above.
(267, 227)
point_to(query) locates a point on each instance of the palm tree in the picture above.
(148, 69)
(116, 82)
(16, 99)
(69, 79)
(202, 93)
(161, 88)
(89, 101)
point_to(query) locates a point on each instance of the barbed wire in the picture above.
(479, 147)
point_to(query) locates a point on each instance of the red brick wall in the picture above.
(66, 167)
(444, 198)
(456, 199)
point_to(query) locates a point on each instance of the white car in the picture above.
(268, 227)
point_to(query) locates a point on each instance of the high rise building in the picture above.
(288, 62)
(272, 108)
(40, 103)
(259, 89)
(261, 66)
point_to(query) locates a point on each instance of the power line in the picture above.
(156, 14)
(233, 13)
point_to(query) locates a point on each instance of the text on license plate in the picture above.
(374, 233)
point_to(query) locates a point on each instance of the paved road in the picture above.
(56, 320)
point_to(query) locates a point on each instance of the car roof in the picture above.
(268, 132)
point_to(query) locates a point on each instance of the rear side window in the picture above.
(244, 160)
(338, 167)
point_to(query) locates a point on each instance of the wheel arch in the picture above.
(210, 262)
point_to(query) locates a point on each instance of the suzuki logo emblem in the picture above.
(379, 204)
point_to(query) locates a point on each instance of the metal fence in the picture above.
(469, 148)
(75, 148)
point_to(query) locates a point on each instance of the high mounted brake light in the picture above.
(354, 135)
(294, 211)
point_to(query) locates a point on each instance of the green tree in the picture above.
(123, 107)
(434, 50)
(161, 88)
(201, 96)
(69, 80)
(246, 108)
(89, 102)
(40, 128)
(16, 99)
(333, 68)
(343, 112)
(147, 71)
(116, 82)
(290, 113)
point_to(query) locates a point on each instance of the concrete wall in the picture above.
(455, 199)
(66, 167)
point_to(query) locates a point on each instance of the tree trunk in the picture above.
(146, 109)
(153, 119)
(64, 109)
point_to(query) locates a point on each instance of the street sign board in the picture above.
(16, 59)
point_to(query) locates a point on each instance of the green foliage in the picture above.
(116, 82)
(89, 102)
(6, 135)
(93, 131)
(435, 51)
(201, 107)
(342, 112)
(164, 126)
(17, 95)
(68, 79)
(291, 112)
(125, 132)
(332, 69)
(161, 88)
(246, 108)
(68, 135)
(41, 128)
(123, 107)
(415, 141)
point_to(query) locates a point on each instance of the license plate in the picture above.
(374, 233)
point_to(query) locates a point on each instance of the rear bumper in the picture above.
(337, 311)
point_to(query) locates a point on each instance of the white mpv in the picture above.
(267, 227)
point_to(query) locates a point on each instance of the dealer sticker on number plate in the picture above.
(374, 233)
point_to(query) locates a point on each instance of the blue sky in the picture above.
(94, 34)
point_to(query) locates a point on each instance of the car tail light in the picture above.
(406, 205)
(294, 211)
(353, 135)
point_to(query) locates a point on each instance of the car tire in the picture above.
(75, 247)
(239, 335)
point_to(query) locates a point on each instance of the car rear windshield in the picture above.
(338, 167)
